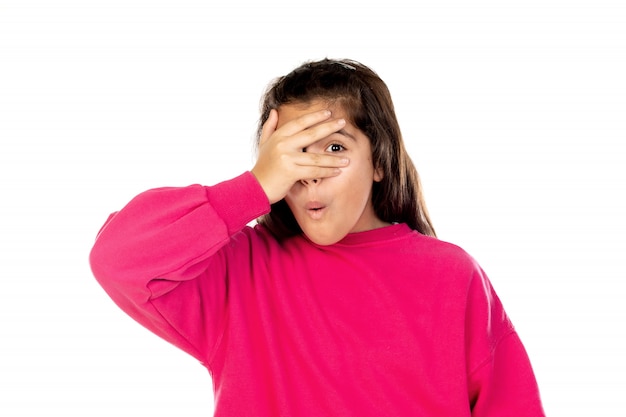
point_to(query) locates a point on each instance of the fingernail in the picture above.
(345, 161)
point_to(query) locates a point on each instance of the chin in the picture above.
(323, 240)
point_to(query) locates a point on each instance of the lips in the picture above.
(314, 205)
(315, 209)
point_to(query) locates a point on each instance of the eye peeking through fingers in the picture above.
(332, 148)
(335, 147)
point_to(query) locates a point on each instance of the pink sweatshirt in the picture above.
(386, 322)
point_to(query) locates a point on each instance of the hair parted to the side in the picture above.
(366, 99)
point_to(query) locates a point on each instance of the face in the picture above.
(328, 209)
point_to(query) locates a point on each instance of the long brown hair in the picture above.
(367, 101)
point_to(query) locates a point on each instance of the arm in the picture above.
(159, 258)
(501, 380)
(156, 257)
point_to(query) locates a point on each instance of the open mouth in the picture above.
(315, 209)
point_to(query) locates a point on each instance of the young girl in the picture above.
(340, 301)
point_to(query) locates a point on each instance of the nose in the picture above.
(311, 181)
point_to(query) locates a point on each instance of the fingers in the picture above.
(321, 161)
(304, 122)
(302, 131)
(303, 134)
(281, 161)
(314, 134)
(318, 172)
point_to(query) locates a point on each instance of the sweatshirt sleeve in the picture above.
(156, 258)
(501, 380)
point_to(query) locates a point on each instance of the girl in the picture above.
(340, 301)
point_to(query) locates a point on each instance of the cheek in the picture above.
(295, 189)
(357, 186)
(360, 176)
(290, 200)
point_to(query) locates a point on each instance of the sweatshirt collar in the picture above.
(374, 236)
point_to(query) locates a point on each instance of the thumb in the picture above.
(269, 126)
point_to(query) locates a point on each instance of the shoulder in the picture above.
(443, 254)
(259, 241)
(254, 237)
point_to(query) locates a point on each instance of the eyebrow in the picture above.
(344, 133)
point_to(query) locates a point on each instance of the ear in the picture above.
(378, 174)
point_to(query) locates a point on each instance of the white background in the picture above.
(514, 113)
